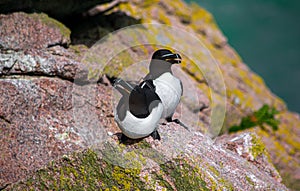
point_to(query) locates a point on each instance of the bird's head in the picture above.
(167, 56)
(161, 62)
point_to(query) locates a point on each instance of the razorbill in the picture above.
(167, 86)
(138, 111)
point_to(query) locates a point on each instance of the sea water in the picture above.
(266, 34)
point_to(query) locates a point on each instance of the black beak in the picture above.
(172, 58)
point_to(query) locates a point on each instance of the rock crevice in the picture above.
(57, 127)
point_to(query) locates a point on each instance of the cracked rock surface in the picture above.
(31, 31)
(57, 129)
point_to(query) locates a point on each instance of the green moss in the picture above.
(78, 49)
(226, 184)
(187, 177)
(258, 148)
(184, 176)
(265, 115)
(214, 171)
(249, 180)
(215, 179)
(126, 178)
(83, 171)
(162, 181)
(120, 62)
(53, 23)
(143, 145)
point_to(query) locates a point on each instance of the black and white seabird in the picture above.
(141, 107)
(167, 86)
(139, 110)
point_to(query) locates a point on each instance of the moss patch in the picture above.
(82, 171)
(184, 176)
(53, 23)
(258, 148)
(265, 115)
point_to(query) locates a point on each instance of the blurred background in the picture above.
(266, 34)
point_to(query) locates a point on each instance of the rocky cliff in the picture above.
(56, 115)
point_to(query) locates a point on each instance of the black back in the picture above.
(141, 98)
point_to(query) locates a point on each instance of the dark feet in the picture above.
(123, 138)
(169, 119)
(155, 135)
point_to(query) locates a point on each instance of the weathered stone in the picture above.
(177, 162)
(23, 31)
(54, 8)
(49, 109)
(39, 122)
(39, 63)
(250, 147)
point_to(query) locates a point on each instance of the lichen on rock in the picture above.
(39, 31)
(57, 128)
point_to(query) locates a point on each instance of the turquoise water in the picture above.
(266, 33)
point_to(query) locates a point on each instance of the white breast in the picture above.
(169, 90)
(136, 128)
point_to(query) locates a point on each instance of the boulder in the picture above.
(57, 119)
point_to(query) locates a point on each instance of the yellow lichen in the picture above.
(258, 148)
(54, 23)
(126, 177)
